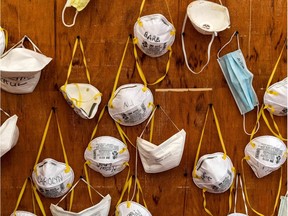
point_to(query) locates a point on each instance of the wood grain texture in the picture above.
(104, 28)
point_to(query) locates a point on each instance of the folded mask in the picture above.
(214, 173)
(79, 5)
(265, 154)
(107, 155)
(131, 104)
(275, 98)
(9, 134)
(21, 68)
(132, 208)
(83, 98)
(52, 178)
(155, 34)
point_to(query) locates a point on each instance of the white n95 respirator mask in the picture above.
(132, 208)
(214, 173)
(276, 98)
(3, 40)
(265, 154)
(131, 105)
(52, 178)
(9, 134)
(22, 213)
(21, 68)
(154, 34)
(107, 155)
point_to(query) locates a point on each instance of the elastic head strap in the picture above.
(98, 121)
(205, 202)
(149, 120)
(78, 40)
(118, 73)
(276, 65)
(184, 49)
(63, 16)
(126, 187)
(4, 112)
(38, 199)
(200, 143)
(88, 180)
(20, 195)
(123, 135)
(67, 170)
(219, 133)
(140, 191)
(43, 139)
(236, 33)
(6, 36)
(231, 189)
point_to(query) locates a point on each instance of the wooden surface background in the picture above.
(104, 27)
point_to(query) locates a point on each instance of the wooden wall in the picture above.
(104, 27)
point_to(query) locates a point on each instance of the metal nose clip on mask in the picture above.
(79, 5)
(52, 178)
(239, 79)
(84, 98)
(130, 104)
(213, 172)
(207, 18)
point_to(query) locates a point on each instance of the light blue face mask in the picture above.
(238, 78)
(283, 208)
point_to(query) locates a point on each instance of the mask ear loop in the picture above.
(63, 16)
(238, 179)
(169, 48)
(184, 49)
(257, 123)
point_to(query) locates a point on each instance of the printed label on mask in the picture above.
(134, 115)
(225, 183)
(268, 153)
(152, 49)
(105, 151)
(108, 167)
(52, 192)
(49, 181)
(15, 81)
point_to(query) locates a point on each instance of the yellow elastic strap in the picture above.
(151, 129)
(278, 192)
(43, 139)
(219, 133)
(141, 8)
(71, 200)
(78, 40)
(256, 123)
(231, 189)
(278, 135)
(272, 110)
(96, 127)
(204, 202)
(141, 191)
(88, 180)
(67, 170)
(276, 65)
(139, 69)
(33, 199)
(245, 189)
(20, 195)
(200, 143)
(6, 36)
(272, 92)
(123, 135)
(40, 204)
(118, 74)
(167, 68)
(126, 186)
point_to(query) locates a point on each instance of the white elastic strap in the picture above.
(75, 186)
(136, 172)
(184, 51)
(237, 36)
(244, 123)
(151, 116)
(243, 195)
(4, 112)
(220, 2)
(63, 15)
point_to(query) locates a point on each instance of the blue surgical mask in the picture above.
(239, 80)
(283, 208)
